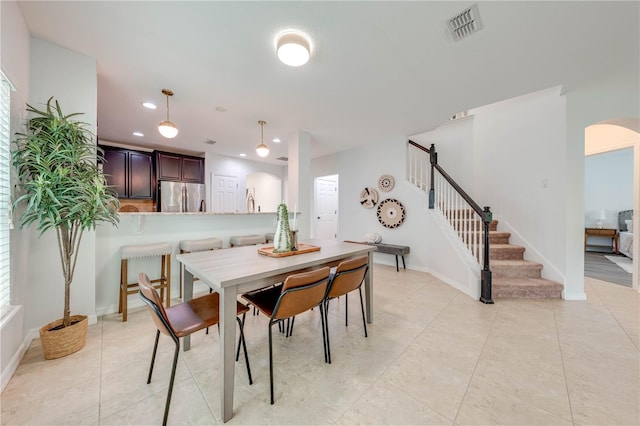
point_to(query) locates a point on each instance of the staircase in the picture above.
(506, 275)
(513, 276)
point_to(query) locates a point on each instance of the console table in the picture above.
(604, 232)
(394, 249)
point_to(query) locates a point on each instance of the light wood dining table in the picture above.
(237, 270)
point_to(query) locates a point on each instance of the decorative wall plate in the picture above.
(386, 183)
(369, 197)
(391, 213)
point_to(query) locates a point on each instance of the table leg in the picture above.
(228, 312)
(404, 265)
(397, 268)
(368, 290)
(187, 294)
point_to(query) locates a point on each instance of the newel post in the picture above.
(433, 159)
(485, 275)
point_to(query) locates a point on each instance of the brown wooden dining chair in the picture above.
(348, 277)
(299, 293)
(182, 320)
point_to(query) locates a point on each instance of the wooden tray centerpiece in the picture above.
(302, 248)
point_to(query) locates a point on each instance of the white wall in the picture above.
(229, 166)
(15, 65)
(616, 95)
(266, 190)
(72, 79)
(608, 185)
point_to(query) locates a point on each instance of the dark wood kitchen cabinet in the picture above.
(177, 167)
(130, 173)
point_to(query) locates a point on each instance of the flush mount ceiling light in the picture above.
(167, 128)
(293, 48)
(262, 150)
(149, 105)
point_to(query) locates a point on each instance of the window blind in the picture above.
(5, 190)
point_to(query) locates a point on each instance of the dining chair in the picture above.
(183, 320)
(299, 293)
(348, 277)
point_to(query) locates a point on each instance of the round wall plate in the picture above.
(369, 197)
(391, 213)
(386, 183)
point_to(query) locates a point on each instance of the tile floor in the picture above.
(433, 356)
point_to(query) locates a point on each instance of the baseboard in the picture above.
(8, 372)
(574, 296)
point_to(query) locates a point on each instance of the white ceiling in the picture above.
(379, 71)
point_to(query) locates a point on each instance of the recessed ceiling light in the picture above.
(293, 48)
(140, 134)
(276, 140)
(149, 105)
(243, 155)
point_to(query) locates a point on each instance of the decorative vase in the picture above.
(282, 237)
(62, 341)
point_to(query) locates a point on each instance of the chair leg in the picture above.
(324, 316)
(346, 310)
(173, 376)
(153, 357)
(364, 321)
(270, 361)
(244, 346)
(290, 326)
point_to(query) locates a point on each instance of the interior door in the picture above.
(224, 193)
(326, 194)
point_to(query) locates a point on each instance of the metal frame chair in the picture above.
(182, 320)
(299, 293)
(348, 277)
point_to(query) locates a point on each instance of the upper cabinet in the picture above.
(130, 173)
(177, 167)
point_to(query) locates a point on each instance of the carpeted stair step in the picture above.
(515, 268)
(495, 237)
(505, 252)
(526, 288)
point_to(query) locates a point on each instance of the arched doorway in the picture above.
(614, 135)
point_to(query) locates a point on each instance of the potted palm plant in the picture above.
(61, 188)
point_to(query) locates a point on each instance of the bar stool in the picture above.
(246, 240)
(192, 246)
(139, 251)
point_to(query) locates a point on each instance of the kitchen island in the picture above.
(152, 227)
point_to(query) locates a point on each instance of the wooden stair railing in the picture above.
(466, 217)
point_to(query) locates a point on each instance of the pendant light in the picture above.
(262, 150)
(167, 128)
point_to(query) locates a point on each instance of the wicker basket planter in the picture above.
(57, 343)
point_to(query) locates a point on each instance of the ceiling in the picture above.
(379, 71)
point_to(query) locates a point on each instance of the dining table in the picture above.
(238, 270)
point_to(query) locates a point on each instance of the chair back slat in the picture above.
(301, 292)
(154, 303)
(349, 276)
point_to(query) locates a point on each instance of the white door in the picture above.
(224, 193)
(326, 194)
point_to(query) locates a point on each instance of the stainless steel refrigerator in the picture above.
(181, 197)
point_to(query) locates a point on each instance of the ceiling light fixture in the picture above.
(139, 134)
(293, 48)
(167, 128)
(262, 150)
(276, 140)
(149, 105)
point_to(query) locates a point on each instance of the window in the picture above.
(5, 192)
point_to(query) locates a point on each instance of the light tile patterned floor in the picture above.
(433, 356)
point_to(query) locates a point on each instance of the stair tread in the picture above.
(505, 246)
(524, 282)
(512, 262)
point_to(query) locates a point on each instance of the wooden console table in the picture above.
(597, 232)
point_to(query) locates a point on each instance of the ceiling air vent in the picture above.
(465, 23)
(209, 142)
(283, 158)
